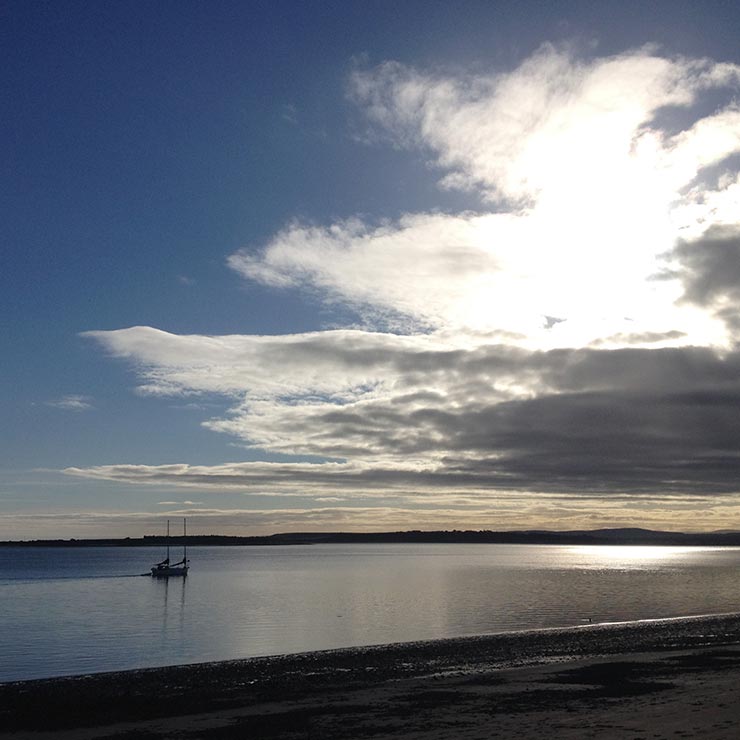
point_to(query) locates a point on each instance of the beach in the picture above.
(671, 678)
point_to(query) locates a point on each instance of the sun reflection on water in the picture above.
(616, 556)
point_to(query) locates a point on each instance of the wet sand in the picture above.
(661, 679)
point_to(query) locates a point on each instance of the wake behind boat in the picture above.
(165, 569)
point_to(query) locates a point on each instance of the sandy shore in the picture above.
(651, 680)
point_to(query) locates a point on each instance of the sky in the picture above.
(369, 266)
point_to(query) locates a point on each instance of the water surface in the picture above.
(78, 610)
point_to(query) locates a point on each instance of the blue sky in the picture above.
(341, 173)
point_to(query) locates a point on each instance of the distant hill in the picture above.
(623, 536)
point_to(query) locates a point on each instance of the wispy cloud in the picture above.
(289, 113)
(72, 402)
(179, 503)
(555, 121)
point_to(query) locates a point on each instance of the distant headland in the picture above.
(624, 536)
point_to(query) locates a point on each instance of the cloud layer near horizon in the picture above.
(575, 335)
(503, 513)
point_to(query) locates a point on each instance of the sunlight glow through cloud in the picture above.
(589, 194)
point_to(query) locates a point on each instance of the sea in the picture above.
(67, 611)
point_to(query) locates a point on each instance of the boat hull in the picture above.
(169, 572)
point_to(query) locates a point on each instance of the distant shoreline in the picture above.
(529, 537)
(509, 680)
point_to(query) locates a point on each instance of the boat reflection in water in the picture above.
(165, 569)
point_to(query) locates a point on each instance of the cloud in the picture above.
(322, 363)
(178, 503)
(72, 402)
(571, 339)
(289, 113)
(709, 268)
(587, 183)
(440, 258)
(555, 121)
(410, 416)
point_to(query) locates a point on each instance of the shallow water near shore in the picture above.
(82, 610)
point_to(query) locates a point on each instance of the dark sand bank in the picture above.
(667, 678)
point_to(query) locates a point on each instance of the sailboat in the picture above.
(165, 569)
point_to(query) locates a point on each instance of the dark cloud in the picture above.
(643, 421)
(590, 442)
(636, 442)
(710, 272)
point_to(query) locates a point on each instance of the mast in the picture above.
(168, 541)
(184, 541)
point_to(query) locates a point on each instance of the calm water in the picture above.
(66, 611)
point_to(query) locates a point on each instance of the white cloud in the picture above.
(554, 120)
(327, 363)
(439, 257)
(588, 188)
(72, 402)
